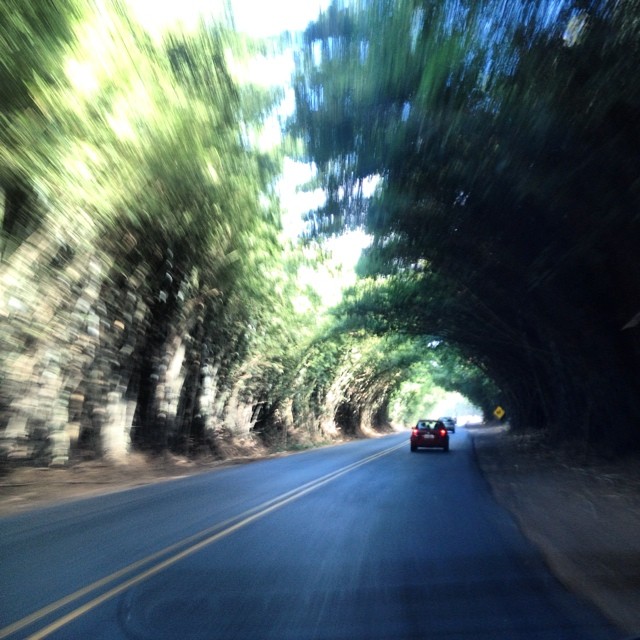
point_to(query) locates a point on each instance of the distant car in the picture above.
(449, 423)
(429, 433)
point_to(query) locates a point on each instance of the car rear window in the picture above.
(427, 425)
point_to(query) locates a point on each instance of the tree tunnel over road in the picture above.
(507, 144)
(490, 151)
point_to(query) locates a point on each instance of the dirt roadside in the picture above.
(25, 487)
(582, 512)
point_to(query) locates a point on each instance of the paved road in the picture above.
(364, 541)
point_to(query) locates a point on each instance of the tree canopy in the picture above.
(488, 149)
(505, 140)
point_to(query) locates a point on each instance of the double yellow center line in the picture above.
(180, 550)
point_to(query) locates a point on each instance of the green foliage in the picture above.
(506, 140)
(32, 43)
(144, 151)
(417, 397)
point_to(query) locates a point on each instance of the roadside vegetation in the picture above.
(150, 299)
(504, 142)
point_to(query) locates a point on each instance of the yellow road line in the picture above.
(245, 518)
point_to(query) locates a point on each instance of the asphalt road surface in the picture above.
(364, 541)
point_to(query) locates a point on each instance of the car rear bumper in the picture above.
(437, 443)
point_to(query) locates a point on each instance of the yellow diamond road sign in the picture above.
(498, 412)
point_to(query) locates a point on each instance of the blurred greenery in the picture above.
(141, 233)
(504, 225)
(146, 278)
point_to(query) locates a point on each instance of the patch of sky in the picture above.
(364, 51)
(455, 18)
(316, 52)
(493, 24)
(417, 22)
(499, 20)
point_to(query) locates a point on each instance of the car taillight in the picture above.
(443, 432)
(414, 432)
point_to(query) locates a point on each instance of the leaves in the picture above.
(505, 185)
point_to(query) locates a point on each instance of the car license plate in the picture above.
(428, 436)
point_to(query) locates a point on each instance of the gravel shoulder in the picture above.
(25, 487)
(581, 511)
